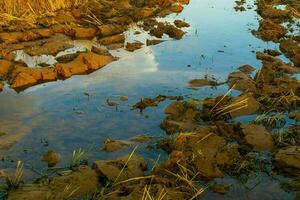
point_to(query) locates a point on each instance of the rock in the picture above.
(181, 24)
(117, 170)
(83, 63)
(74, 184)
(48, 48)
(123, 98)
(289, 159)
(221, 189)
(272, 52)
(110, 29)
(52, 158)
(270, 31)
(249, 106)
(133, 46)
(229, 155)
(174, 32)
(272, 13)
(241, 81)
(153, 42)
(120, 38)
(205, 145)
(238, 106)
(23, 80)
(202, 83)
(111, 103)
(176, 8)
(115, 145)
(291, 49)
(140, 138)
(144, 13)
(84, 33)
(258, 137)
(247, 69)
(5, 66)
(67, 58)
(111, 145)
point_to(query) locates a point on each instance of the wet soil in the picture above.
(54, 34)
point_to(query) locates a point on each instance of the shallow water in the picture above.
(61, 115)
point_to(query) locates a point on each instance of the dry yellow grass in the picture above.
(30, 10)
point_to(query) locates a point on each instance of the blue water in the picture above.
(48, 112)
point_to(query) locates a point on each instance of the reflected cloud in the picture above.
(14, 108)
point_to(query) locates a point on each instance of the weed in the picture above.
(11, 182)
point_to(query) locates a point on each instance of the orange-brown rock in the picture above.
(23, 80)
(85, 33)
(133, 46)
(44, 32)
(4, 68)
(184, 1)
(83, 63)
(144, 13)
(176, 8)
(23, 77)
(15, 37)
(1, 86)
(48, 48)
(120, 38)
(110, 29)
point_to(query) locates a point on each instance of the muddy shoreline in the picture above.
(206, 142)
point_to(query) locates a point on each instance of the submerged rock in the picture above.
(52, 158)
(202, 83)
(115, 145)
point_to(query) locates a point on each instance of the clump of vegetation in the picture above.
(79, 157)
(271, 119)
(31, 10)
(11, 182)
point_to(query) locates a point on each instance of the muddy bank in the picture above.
(103, 22)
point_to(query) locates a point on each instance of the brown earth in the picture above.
(54, 34)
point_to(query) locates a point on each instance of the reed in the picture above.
(31, 10)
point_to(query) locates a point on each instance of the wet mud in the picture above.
(53, 35)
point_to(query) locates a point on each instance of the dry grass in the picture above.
(30, 10)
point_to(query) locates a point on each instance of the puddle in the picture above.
(61, 117)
